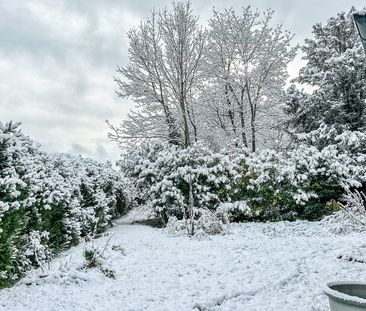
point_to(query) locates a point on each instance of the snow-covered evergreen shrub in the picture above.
(234, 211)
(336, 69)
(163, 175)
(49, 202)
(267, 185)
(138, 165)
(15, 203)
(303, 182)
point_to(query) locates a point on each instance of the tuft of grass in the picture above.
(94, 258)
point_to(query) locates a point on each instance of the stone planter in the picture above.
(346, 296)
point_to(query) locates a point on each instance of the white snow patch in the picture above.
(271, 266)
(140, 213)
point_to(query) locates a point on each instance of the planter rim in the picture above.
(342, 297)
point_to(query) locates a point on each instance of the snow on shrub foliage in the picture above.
(352, 216)
(208, 223)
(162, 174)
(303, 183)
(48, 202)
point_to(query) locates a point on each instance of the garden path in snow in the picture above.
(272, 266)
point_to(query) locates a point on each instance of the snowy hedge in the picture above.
(48, 202)
(304, 183)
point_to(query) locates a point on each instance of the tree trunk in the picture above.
(193, 123)
(230, 110)
(252, 126)
(186, 128)
(253, 110)
(190, 209)
(242, 120)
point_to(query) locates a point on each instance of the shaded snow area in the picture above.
(138, 214)
(274, 266)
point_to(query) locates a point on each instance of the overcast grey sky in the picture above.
(58, 58)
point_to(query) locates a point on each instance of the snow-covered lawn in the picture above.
(276, 266)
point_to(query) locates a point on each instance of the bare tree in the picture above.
(248, 63)
(219, 85)
(163, 74)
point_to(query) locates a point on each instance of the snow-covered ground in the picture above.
(275, 266)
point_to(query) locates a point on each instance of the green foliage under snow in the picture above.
(49, 202)
(301, 184)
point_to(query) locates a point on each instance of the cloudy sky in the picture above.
(58, 58)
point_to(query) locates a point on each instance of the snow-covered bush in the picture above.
(234, 211)
(301, 183)
(206, 223)
(48, 202)
(172, 180)
(352, 214)
(176, 227)
(210, 223)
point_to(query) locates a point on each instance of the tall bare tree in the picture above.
(163, 74)
(247, 62)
